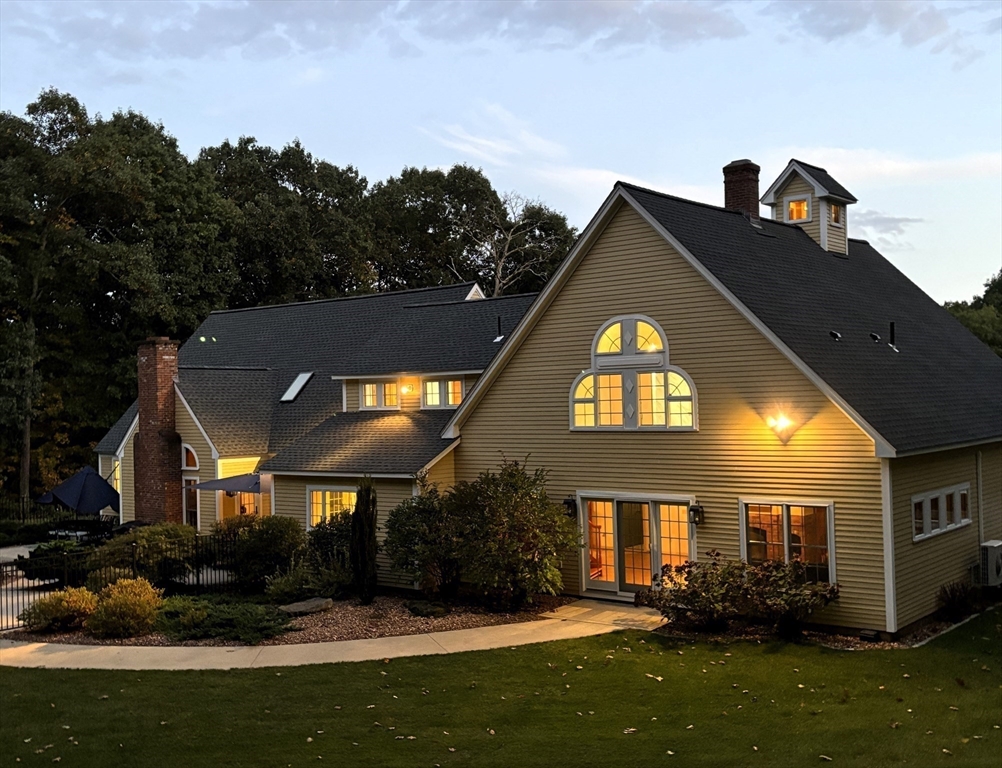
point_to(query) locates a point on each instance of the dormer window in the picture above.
(442, 393)
(380, 395)
(798, 209)
(838, 214)
(630, 384)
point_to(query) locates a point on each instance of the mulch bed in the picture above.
(385, 617)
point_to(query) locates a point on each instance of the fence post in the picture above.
(198, 565)
(134, 545)
(66, 569)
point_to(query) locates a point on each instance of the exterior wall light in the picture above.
(779, 423)
(406, 389)
(696, 514)
(571, 507)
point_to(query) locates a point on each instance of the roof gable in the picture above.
(818, 178)
(939, 390)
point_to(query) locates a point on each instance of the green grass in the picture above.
(556, 704)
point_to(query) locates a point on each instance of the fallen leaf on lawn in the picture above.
(689, 727)
(629, 730)
(947, 752)
(309, 739)
(371, 706)
(825, 758)
(755, 748)
(490, 731)
(894, 723)
(669, 752)
(906, 675)
(452, 749)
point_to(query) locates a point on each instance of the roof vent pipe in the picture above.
(741, 187)
(500, 335)
(891, 343)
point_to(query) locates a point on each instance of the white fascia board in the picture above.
(595, 227)
(405, 374)
(882, 448)
(451, 447)
(952, 447)
(769, 198)
(120, 451)
(373, 475)
(212, 447)
(890, 571)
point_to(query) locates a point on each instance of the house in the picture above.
(694, 378)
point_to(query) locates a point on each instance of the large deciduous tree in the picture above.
(983, 314)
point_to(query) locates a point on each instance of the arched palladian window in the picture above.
(630, 384)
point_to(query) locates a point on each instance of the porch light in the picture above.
(406, 389)
(779, 423)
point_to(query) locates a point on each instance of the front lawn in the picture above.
(629, 698)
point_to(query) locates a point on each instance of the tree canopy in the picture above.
(110, 234)
(982, 315)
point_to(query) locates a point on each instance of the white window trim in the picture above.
(743, 502)
(786, 209)
(198, 498)
(443, 391)
(583, 497)
(927, 512)
(335, 488)
(198, 464)
(379, 396)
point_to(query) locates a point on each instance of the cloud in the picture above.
(912, 22)
(268, 29)
(884, 231)
(873, 166)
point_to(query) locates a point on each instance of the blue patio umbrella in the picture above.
(87, 493)
(249, 483)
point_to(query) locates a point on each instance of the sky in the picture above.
(900, 100)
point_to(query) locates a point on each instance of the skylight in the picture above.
(296, 387)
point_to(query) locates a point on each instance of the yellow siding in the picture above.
(352, 391)
(797, 186)
(243, 465)
(991, 482)
(105, 464)
(740, 379)
(926, 565)
(291, 500)
(837, 235)
(192, 435)
(129, 480)
(443, 472)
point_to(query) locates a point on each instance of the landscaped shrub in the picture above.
(265, 547)
(956, 600)
(779, 594)
(708, 595)
(102, 577)
(423, 539)
(329, 542)
(162, 554)
(13, 532)
(187, 618)
(60, 611)
(705, 596)
(126, 608)
(363, 541)
(288, 586)
(60, 561)
(511, 535)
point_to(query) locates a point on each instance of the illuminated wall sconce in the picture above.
(406, 389)
(782, 425)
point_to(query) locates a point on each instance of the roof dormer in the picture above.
(807, 196)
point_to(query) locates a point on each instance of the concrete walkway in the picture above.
(583, 618)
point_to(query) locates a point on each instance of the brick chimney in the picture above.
(741, 187)
(158, 445)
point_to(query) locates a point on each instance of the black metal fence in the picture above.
(184, 566)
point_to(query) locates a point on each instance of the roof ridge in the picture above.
(477, 301)
(809, 165)
(681, 199)
(345, 298)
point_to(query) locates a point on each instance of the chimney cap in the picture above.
(741, 164)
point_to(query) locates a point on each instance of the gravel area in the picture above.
(385, 617)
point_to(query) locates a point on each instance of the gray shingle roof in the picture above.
(110, 442)
(367, 442)
(942, 388)
(420, 331)
(821, 176)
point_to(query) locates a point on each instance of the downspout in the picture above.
(981, 513)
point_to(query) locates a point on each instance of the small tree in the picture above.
(511, 534)
(363, 541)
(422, 539)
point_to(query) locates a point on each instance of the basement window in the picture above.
(296, 387)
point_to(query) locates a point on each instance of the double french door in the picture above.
(628, 541)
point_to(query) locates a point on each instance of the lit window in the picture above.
(632, 395)
(116, 475)
(940, 511)
(787, 532)
(380, 394)
(189, 459)
(189, 502)
(610, 400)
(797, 210)
(443, 393)
(326, 504)
(838, 214)
(648, 338)
(611, 341)
(674, 533)
(651, 399)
